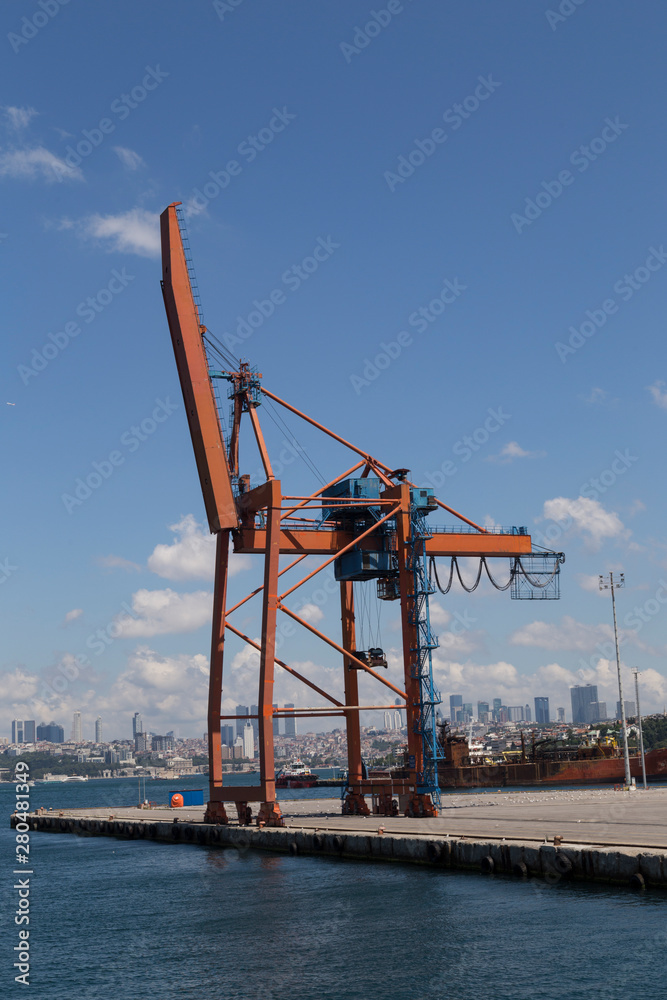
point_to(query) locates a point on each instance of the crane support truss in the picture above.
(381, 519)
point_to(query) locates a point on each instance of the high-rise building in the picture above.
(161, 743)
(561, 714)
(515, 713)
(227, 735)
(248, 741)
(142, 741)
(98, 729)
(254, 710)
(398, 721)
(455, 705)
(276, 724)
(630, 709)
(583, 697)
(497, 705)
(527, 714)
(240, 723)
(137, 725)
(542, 711)
(290, 723)
(598, 711)
(388, 722)
(482, 709)
(53, 733)
(77, 735)
(23, 731)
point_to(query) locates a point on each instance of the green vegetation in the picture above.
(654, 728)
(41, 763)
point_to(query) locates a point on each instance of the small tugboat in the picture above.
(296, 775)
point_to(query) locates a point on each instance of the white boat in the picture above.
(64, 777)
(296, 775)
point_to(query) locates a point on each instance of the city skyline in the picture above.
(236, 733)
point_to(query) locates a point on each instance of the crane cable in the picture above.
(303, 454)
(516, 569)
(221, 351)
(229, 360)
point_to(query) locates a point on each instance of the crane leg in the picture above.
(354, 803)
(270, 815)
(421, 805)
(215, 811)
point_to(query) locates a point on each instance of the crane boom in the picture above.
(186, 337)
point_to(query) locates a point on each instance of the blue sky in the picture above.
(498, 167)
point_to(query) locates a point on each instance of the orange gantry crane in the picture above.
(369, 522)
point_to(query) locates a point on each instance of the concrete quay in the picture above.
(588, 834)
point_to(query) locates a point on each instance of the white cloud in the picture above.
(574, 636)
(658, 393)
(169, 691)
(311, 613)
(191, 556)
(18, 687)
(438, 614)
(129, 159)
(484, 681)
(36, 162)
(136, 231)
(475, 680)
(513, 450)
(160, 612)
(461, 643)
(568, 634)
(18, 118)
(72, 615)
(117, 562)
(242, 673)
(586, 517)
(589, 582)
(192, 208)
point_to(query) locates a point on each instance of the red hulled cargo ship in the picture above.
(537, 765)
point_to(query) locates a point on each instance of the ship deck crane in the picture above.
(369, 522)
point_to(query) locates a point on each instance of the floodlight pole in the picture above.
(639, 720)
(615, 585)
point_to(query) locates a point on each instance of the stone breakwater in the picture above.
(356, 840)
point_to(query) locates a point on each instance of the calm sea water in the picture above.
(128, 920)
